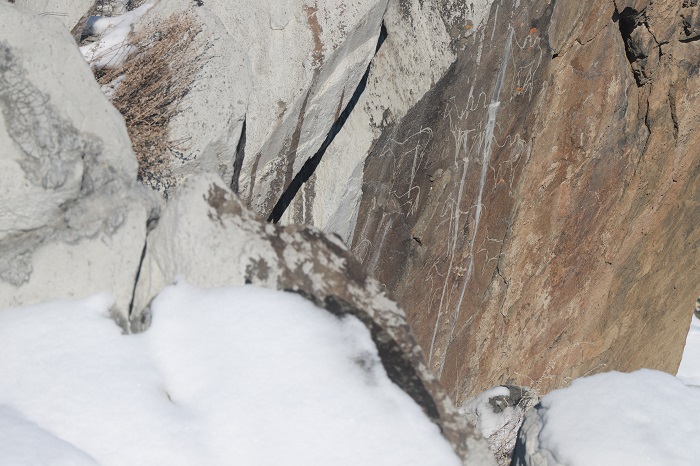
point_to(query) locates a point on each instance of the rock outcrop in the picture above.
(208, 237)
(398, 78)
(534, 210)
(275, 79)
(73, 219)
(307, 59)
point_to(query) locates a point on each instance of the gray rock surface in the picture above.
(208, 237)
(68, 12)
(72, 216)
(209, 124)
(307, 59)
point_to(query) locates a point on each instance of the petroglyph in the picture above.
(449, 230)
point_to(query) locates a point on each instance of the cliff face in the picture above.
(534, 211)
(520, 175)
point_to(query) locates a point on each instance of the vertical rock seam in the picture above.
(238, 159)
(310, 165)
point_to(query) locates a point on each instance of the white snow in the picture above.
(23, 443)
(111, 49)
(641, 418)
(689, 370)
(226, 376)
(499, 426)
(488, 421)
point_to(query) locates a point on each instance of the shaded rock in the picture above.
(690, 17)
(527, 450)
(208, 237)
(499, 413)
(72, 217)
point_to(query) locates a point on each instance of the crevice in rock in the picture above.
(136, 279)
(311, 164)
(637, 52)
(627, 22)
(646, 141)
(690, 39)
(238, 159)
(674, 115)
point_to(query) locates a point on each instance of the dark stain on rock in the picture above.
(311, 17)
(257, 271)
(223, 203)
(400, 370)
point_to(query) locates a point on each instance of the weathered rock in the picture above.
(72, 217)
(690, 17)
(413, 230)
(535, 209)
(207, 128)
(400, 75)
(307, 59)
(68, 12)
(499, 413)
(207, 236)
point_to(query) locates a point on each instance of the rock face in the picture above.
(68, 12)
(274, 79)
(207, 129)
(72, 217)
(399, 76)
(534, 210)
(209, 238)
(307, 58)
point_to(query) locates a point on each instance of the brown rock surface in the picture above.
(535, 211)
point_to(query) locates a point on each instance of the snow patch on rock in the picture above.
(243, 374)
(643, 418)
